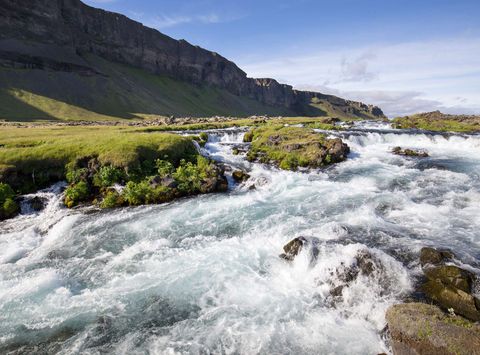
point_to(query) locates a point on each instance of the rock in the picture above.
(421, 329)
(169, 182)
(410, 152)
(240, 176)
(295, 246)
(235, 151)
(451, 275)
(434, 256)
(338, 150)
(448, 296)
(36, 203)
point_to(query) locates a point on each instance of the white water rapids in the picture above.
(202, 275)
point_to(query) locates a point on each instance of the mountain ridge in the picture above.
(60, 35)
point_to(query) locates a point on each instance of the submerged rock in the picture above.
(410, 152)
(418, 328)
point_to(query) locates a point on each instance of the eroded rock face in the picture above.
(418, 328)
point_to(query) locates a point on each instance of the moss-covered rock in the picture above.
(421, 329)
(410, 152)
(294, 147)
(451, 275)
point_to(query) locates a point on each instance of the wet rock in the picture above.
(448, 296)
(295, 246)
(451, 275)
(338, 150)
(418, 329)
(434, 256)
(410, 152)
(240, 176)
(36, 203)
(235, 151)
(169, 182)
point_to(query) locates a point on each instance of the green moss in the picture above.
(112, 199)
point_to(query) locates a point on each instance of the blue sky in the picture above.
(404, 55)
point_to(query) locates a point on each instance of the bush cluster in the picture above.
(8, 206)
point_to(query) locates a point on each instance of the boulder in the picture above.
(295, 246)
(451, 275)
(240, 176)
(448, 296)
(421, 329)
(434, 256)
(410, 152)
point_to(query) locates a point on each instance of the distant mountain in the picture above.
(62, 59)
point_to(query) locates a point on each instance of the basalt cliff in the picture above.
(63, 52)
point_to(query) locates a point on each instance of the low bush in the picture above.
(108, 176)
(112, 199)
(8, 206)
(76, 193)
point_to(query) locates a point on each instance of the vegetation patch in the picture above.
(8, 206)
(294, 147)
(437, 121)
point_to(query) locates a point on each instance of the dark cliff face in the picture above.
(57, 34)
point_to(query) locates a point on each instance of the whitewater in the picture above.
(202, 275)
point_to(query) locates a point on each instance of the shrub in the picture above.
(165, 168)
(108, 176)
(136, 193)
(189, 176)
(112, 199)
(75, 175)
(8, 206)
(76, 193)
(6, 192)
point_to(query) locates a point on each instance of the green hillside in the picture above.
(119, 92)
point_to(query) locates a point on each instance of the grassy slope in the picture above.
(39, 155)
(443, 125)
(122, 92)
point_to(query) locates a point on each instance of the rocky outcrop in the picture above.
(410, 152)
(418, 328)
(60, 35)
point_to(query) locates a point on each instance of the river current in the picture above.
(202, 275)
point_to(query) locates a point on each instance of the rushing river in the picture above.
(202, 275)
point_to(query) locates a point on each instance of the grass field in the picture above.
(443, 125)
(31, 158)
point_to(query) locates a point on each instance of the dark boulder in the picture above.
(240, 176)
(295, 246)
(410, 152)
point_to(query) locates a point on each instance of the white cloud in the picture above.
(401, 78)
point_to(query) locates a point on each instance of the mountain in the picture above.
(62, 59)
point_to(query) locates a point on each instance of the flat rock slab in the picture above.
(421, 329)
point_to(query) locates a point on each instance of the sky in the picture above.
(405, 56)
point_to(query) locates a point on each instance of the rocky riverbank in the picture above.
(438, 121)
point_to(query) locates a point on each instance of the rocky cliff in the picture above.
(59, 35)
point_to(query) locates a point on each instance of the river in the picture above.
(202, 275)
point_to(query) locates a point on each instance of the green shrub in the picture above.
(289, 163)
(112, 199)
(165, 168)
(75, 175)
(74, 194)
(108, 176)
(189, 176)
(135, 194)
(9, 208)
(6, 192)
